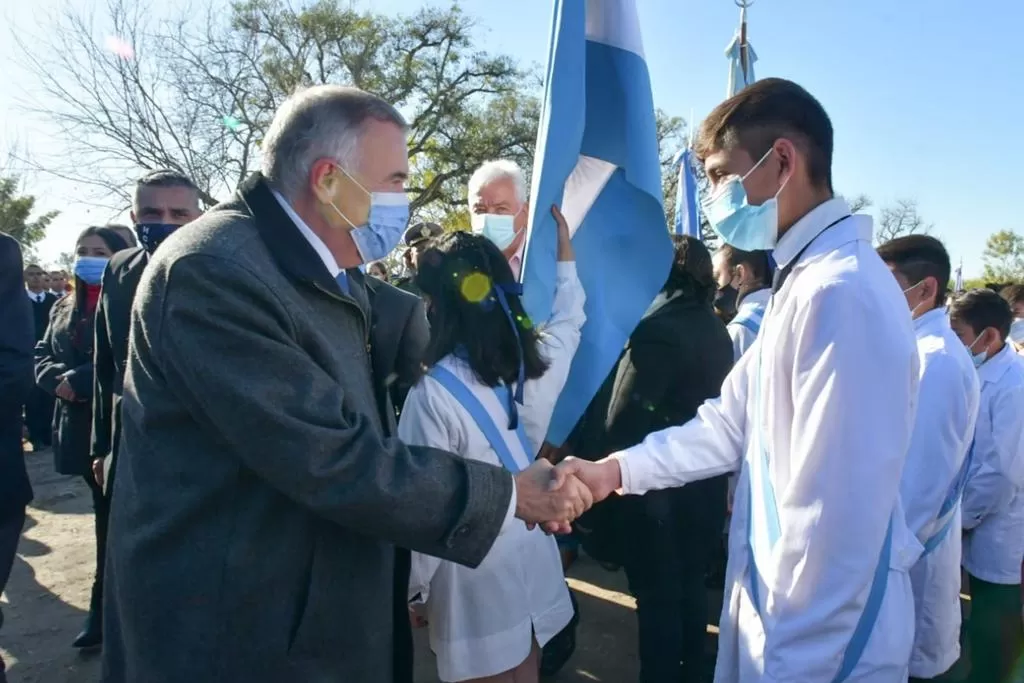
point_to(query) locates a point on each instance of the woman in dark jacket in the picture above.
(676, 358)
(64, 369)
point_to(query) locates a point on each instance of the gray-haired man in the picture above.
(260, 495)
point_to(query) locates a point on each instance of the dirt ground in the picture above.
(48, 594)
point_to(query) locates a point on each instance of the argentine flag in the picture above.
(597, 158)
(687, 219)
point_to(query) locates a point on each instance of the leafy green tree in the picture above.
(1004, 257)
(16, 215)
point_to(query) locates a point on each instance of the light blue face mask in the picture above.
(741, 225)
(498, 228)
(978, 358)
(388, 218)
(90, 269)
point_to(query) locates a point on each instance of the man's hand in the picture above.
(97, 471)
(601, 477)
(64, 390)
(539, 499)
(565, 252)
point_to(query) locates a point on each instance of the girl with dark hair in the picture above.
(64, 369)
(488, 396)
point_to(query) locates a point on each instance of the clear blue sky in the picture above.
(927, 99)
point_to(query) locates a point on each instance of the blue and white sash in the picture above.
(483, 419)
(940, 528)
(764, 531)
(750, 316)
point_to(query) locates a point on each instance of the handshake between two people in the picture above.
(553, 496)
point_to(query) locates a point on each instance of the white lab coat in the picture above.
(993, 503)
(482, 621)
(839, 382)
(742, 336)
(946, 411)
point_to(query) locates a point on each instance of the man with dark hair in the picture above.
(58, 283)
(993, 497)
(1014, 295)
(16, 382)
(819, 414)
(39, 406)
(748, 274)
(937, 459)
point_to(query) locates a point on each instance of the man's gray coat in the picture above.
(258, 500)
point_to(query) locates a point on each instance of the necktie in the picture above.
(342, 280)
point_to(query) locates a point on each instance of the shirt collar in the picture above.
(995, 367)
(807, 228)
(318, 244)
(35, 297)
(931, 321)
(516, 262)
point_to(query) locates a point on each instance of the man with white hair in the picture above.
(260, 495)
(498, 208)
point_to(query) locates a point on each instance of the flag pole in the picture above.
(744, 59)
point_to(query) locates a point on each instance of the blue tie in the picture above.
(342, 280)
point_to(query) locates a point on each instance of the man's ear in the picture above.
(131, 214)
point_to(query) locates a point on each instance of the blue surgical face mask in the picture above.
(498, 228)
(978, 358)
(741, 225)
(389, 215)
(90, 268)
(151, 235)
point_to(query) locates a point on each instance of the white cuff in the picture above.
(624, 473)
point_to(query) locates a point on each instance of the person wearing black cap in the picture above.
(416, 239)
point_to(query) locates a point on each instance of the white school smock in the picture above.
(947, 408)
(839, 383)
(993, 503)
(482, 621)
(744, 327)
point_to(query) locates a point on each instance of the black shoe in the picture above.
(88, 638)
(92, 633)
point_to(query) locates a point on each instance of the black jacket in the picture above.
(113, 320)
(400, 335)
(66, 350)
(676, 359)
(41, 312)
(16, 339)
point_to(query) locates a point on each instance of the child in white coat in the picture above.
(489, 393)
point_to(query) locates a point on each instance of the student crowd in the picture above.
(293, 463)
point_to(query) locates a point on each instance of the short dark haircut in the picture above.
(763, 112)
(478, 328)
(981, 309)
(33, 265)
(691, 275)
(756, 261)
(163, 177)
(1014, 294)
(917, 257)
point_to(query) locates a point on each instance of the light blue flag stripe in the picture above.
(597, 158)
(687, 218)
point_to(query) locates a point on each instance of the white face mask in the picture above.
(913, 311)
(978, 358)
(498, 228)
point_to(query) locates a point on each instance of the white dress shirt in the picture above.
(752, 308)
(946, 412)
(482, 621)
(36, 297)
(993, 503)
(838, 388)
(516, 262)
(334, 269)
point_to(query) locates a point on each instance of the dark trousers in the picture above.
(402, 657)
(101, 508)
(10, 534)
(39, 417)
(671, 539)
(994, 631)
